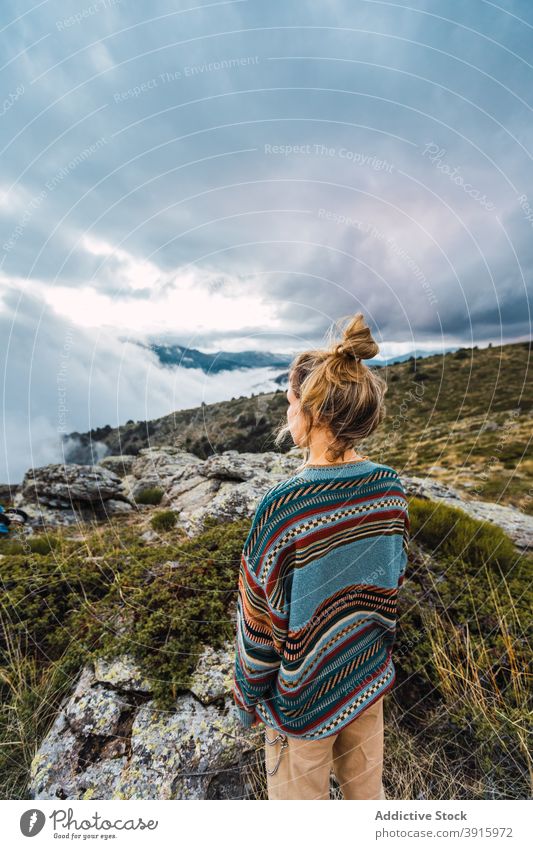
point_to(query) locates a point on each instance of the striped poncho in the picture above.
(317, 598)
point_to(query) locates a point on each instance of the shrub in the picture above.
(163, 520)
(177, 596)
(150, 495)
(42, 544)
(176, 593)
(450, 531)
(470, 558)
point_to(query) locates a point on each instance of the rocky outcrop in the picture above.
(109, 742)
(62, 494)
(230, 484)
(225, 486)
(61, 485)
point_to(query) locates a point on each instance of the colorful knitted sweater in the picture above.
(317, 598)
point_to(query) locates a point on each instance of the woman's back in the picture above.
(320, 573)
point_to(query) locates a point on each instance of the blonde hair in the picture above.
(337, 390)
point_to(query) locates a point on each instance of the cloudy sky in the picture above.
(239, 174)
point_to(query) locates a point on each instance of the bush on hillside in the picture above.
(150, 495)
(163, 520)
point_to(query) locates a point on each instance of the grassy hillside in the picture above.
(456, 725)
(464, 418)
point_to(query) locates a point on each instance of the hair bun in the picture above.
(342, 350)
(357, 342)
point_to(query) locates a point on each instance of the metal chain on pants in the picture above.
(284, 745)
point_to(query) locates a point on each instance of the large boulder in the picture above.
(65, 493)
(63, 484)
(226, 486)
(110, 742)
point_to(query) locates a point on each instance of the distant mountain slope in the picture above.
(179, 355)
(464, 417)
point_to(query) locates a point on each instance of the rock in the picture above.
(178, 471)
(53, 769)
(213, 677)
(121, 672)
(8, 491)
(67, 494)
(428, 487)
(149, 536)
(175, 756)
(62, 485)
(518, 525)
(190, 493)
(57, 770)
(163, 464)
(114, 507)
(225, 486)
(42, 516)
(110, 742)
(159, 468)
(232, 501)
(100, 779)
(227, 466)
(120, 464)
(96, 711)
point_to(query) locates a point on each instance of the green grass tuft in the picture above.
(150, 495)
(163, 520)
(449, 531)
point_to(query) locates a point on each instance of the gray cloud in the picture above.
(165, 135)
(60, 378)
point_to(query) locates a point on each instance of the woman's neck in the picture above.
(317, 458)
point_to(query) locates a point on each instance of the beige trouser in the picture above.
(300, 769)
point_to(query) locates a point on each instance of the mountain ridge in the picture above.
(464, 418)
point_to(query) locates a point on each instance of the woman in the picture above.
(318, 585)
